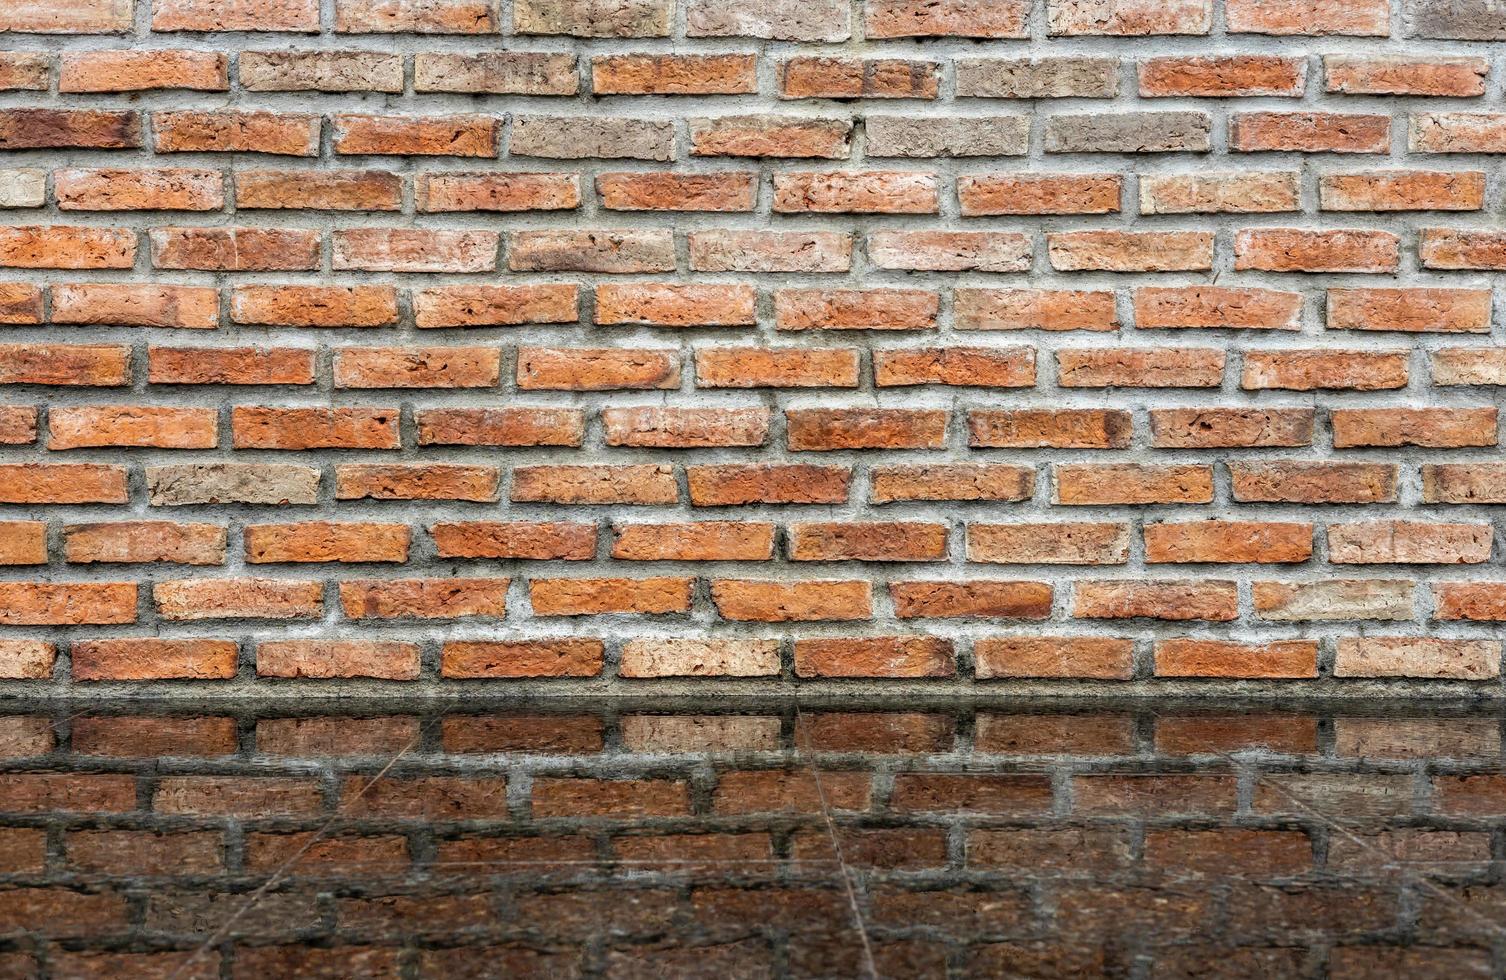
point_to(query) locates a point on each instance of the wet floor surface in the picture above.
(758, 839)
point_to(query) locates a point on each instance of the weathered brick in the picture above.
(1049, 544)
(153, 660)
(1081, 657)
(775, 20)
(887, 656)
(1223, 76)
(1033, 309)
(320, 71)
(1221, 428)
(1408, 543)
(235, 15)
(745, 483)
(1411, 656)
(1336, 599)
(1129, 251)
(1400, 75)
(496, 72)
(951, 481)
(1309, 132)
(576, 137)
(454, 136)
(852, 78)
(956, 136)
(1309, 17)
(1219, 193)
(788, 602)
(226, 131)
(417, 16)
(773, 367)
(1129, 132)
(1413, 310)
(1314, 483)
(948, 18)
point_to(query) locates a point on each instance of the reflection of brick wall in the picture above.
(572, 341)
(987, 839)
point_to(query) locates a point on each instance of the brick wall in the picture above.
(1128, 341)
(579, 843)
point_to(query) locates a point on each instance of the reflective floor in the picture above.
(732, 839)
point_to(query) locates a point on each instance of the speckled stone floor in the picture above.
(736, 839)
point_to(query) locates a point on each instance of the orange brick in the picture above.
(1284, 17)
(855, 309)
(685, 428)
(1223, 76)
(852, 78)
(868, 541)
(492, 306)
(1235, 542)
(1220, 658)
(246, 598)
(68, 604)
(328, 659)
(230, 365)
(23, 543)
(819, 430)
(672, 305)
(1216, 307)
(61, 247)
(417, 367)
(1031, 428)
(144, 541)
(325, 541)
(775, 367)
(674, 74)
(236, 15)
(1413, 310)
(132, 71)
(1213, 600)
(1221, 428)
(153, 660)
(1219, 193)
(1298, 250)
(1400, 75)
(515, 539)
(1307, 370)
(1010, 367)
(597, 596)
(703, 541)
(1127, 367)
(866, 192)
(746, 483)
(497, 192)
(1314, 483)
(1309, 132)
(1405, 190)
(257, 427)
(1049, 544)
(980, 599)
(631, 484)
(235, 249)
(1129, 251)
(62, 483)
(75, 427)
(226, 131)
(791, 602)
(992, 194)
(596, 369)
(455, 136)
(97, 366)
(882, 656)
(173, 189)
(1132, 483)
(676, 192)
(541, 658)
(1084, 657)
(422, 481)
(318, 190)
(1034, 309)
(1432, 427)
(951, 481)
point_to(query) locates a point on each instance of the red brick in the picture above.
(323, 541)
(1100, 658)
(235, 249)
(1129, 251)
(744, 483)
(1412, 310)
(1033, 309)
(818, 430)
(327, 659)
(1220, 428)
(1431, 427)
(1314, 483)
(951, 481)
(791, 602)
(1403, 190)
(89, 129)
(131, 71)
(1132, 483)
(153, 660)
(1219, 658)
(1235, 542)
(1223, 76)
(1308, 370)
(1298, 250)
(515, 539)
(870, 541)
(1309, 132)
(1212, 600)
(256, 427)
(541, 658)
(432, 481)
(1049, 544)
(596, 369)
(500, 427)
(144, 541)
(230, 365)
(1216, 307)
(321, 190)
(589, 597)
(1309, 17)
(704, 541)
(1401, 75)
(630, 484)
(235, 15)
(852, 78)
(884, 656)
(244, 598)
(959, 366)
(1072, 428)
(1128, 367)
(61, 247)
(490, 306)
(775, 367)
(62, 483)
(676, 192)
(455, 136)
(226, 131)
(977, 598)
(674, 74)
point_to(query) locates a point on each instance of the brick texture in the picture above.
(662, 343)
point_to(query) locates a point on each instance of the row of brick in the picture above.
(625, 251)
(730, 484)
(832, 192)
(1386, 542)
(993, 657)
(1202, 427)
(446, 799)
(738, 600)
(574, 137)
(1450, 742)
(795, 20)
(615, 368)
(1405, 309)
(610, 369)
(833, 77)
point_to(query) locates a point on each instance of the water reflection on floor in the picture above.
(731, 840)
